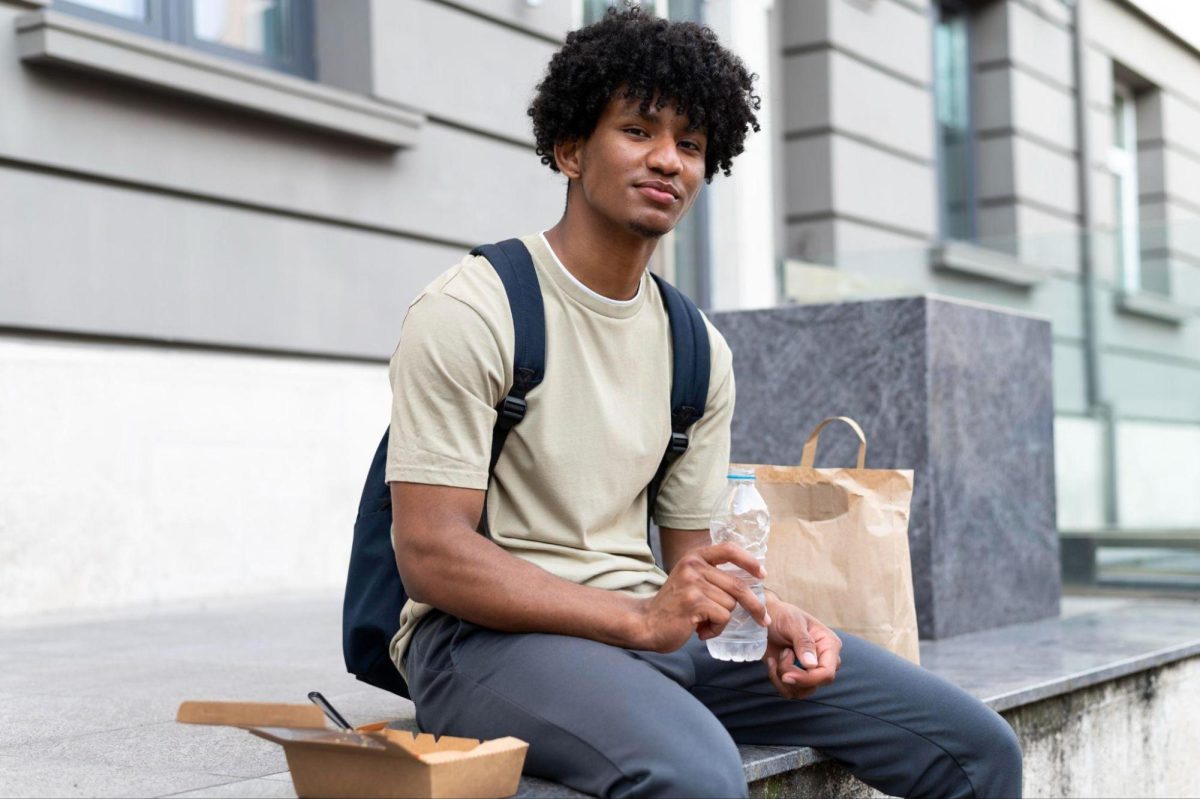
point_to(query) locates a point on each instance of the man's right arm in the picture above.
(445, 563)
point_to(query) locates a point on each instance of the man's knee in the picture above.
(993, 759)
(1000, 763)
(714, 771)
(981, 760)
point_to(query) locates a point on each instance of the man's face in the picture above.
(641, 170)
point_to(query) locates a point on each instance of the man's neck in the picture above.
(609, 262)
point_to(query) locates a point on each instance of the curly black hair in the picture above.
(679, 62)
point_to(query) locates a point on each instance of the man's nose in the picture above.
(664, 156)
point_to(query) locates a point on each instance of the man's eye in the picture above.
(694, 145)
(636, 131)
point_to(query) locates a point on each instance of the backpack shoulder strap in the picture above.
(512, 261)
(691, 363)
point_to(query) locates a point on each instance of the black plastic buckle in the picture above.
(512, 410)
(679, 444)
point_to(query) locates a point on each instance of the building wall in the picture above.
(197, 303)
(1131, 736)
(270, 217)
(858, 132)
(137, 474)
(184, 245)
(861, 192)
(1168, 115)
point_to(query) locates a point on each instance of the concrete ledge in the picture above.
(1154, 306)
(1043, 677)
(1127, 537)
(53, 38)
(1013, 666)
(1103, 699)
(971, 259)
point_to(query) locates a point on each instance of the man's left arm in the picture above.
(689, 489)
(792, 633)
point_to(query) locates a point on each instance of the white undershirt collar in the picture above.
(582, 287)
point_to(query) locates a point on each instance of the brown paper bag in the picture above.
(839, 544)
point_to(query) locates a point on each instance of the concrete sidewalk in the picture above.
(87, 707)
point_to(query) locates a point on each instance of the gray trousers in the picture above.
(616, 722)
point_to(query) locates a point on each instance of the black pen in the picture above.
(329, 710)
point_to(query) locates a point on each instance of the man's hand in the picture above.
(795, 634)
(699, 598)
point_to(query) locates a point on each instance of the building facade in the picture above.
(1033, 154)
(213, 215)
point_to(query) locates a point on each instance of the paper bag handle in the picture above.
(809, 456)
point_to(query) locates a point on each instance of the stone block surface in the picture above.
(962, 394)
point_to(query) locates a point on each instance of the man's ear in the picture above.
(568, 155)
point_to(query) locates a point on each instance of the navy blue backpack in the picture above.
(374, 593)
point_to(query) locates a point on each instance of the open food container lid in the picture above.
(373, 760)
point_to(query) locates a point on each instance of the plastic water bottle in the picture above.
(741, 516)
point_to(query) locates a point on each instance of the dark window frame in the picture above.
(172, 21)
(962, 9)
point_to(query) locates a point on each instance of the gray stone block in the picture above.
(958, 392)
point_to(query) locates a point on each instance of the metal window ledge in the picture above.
(971, 259)
(1165, 537)
(52, 38)
(1154, 306)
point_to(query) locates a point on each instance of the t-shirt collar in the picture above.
(575, 289)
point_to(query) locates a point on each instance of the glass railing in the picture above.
(1158, 259)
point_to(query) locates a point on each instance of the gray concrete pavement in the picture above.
(88, 706)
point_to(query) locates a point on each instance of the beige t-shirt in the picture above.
(569, 490)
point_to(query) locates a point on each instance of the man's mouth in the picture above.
(661, 193)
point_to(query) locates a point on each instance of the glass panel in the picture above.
(1119, 238)
(593, 10)
(692, 10)
(1149, 568)
(692, 267)
(954, 125)
(255, 26)
(1118, 121)
(1122, 162)
(129, 9)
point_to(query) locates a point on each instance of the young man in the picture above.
(560, 628)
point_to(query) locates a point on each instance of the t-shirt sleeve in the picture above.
(693, 483)
(447, 376)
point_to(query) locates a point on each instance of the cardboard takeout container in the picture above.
(372, 761)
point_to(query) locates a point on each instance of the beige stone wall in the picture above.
(1131, 737)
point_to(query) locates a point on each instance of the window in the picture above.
(952, 96)
(692, 10)
(593, 10)
(1122, 163)
(276, 34)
